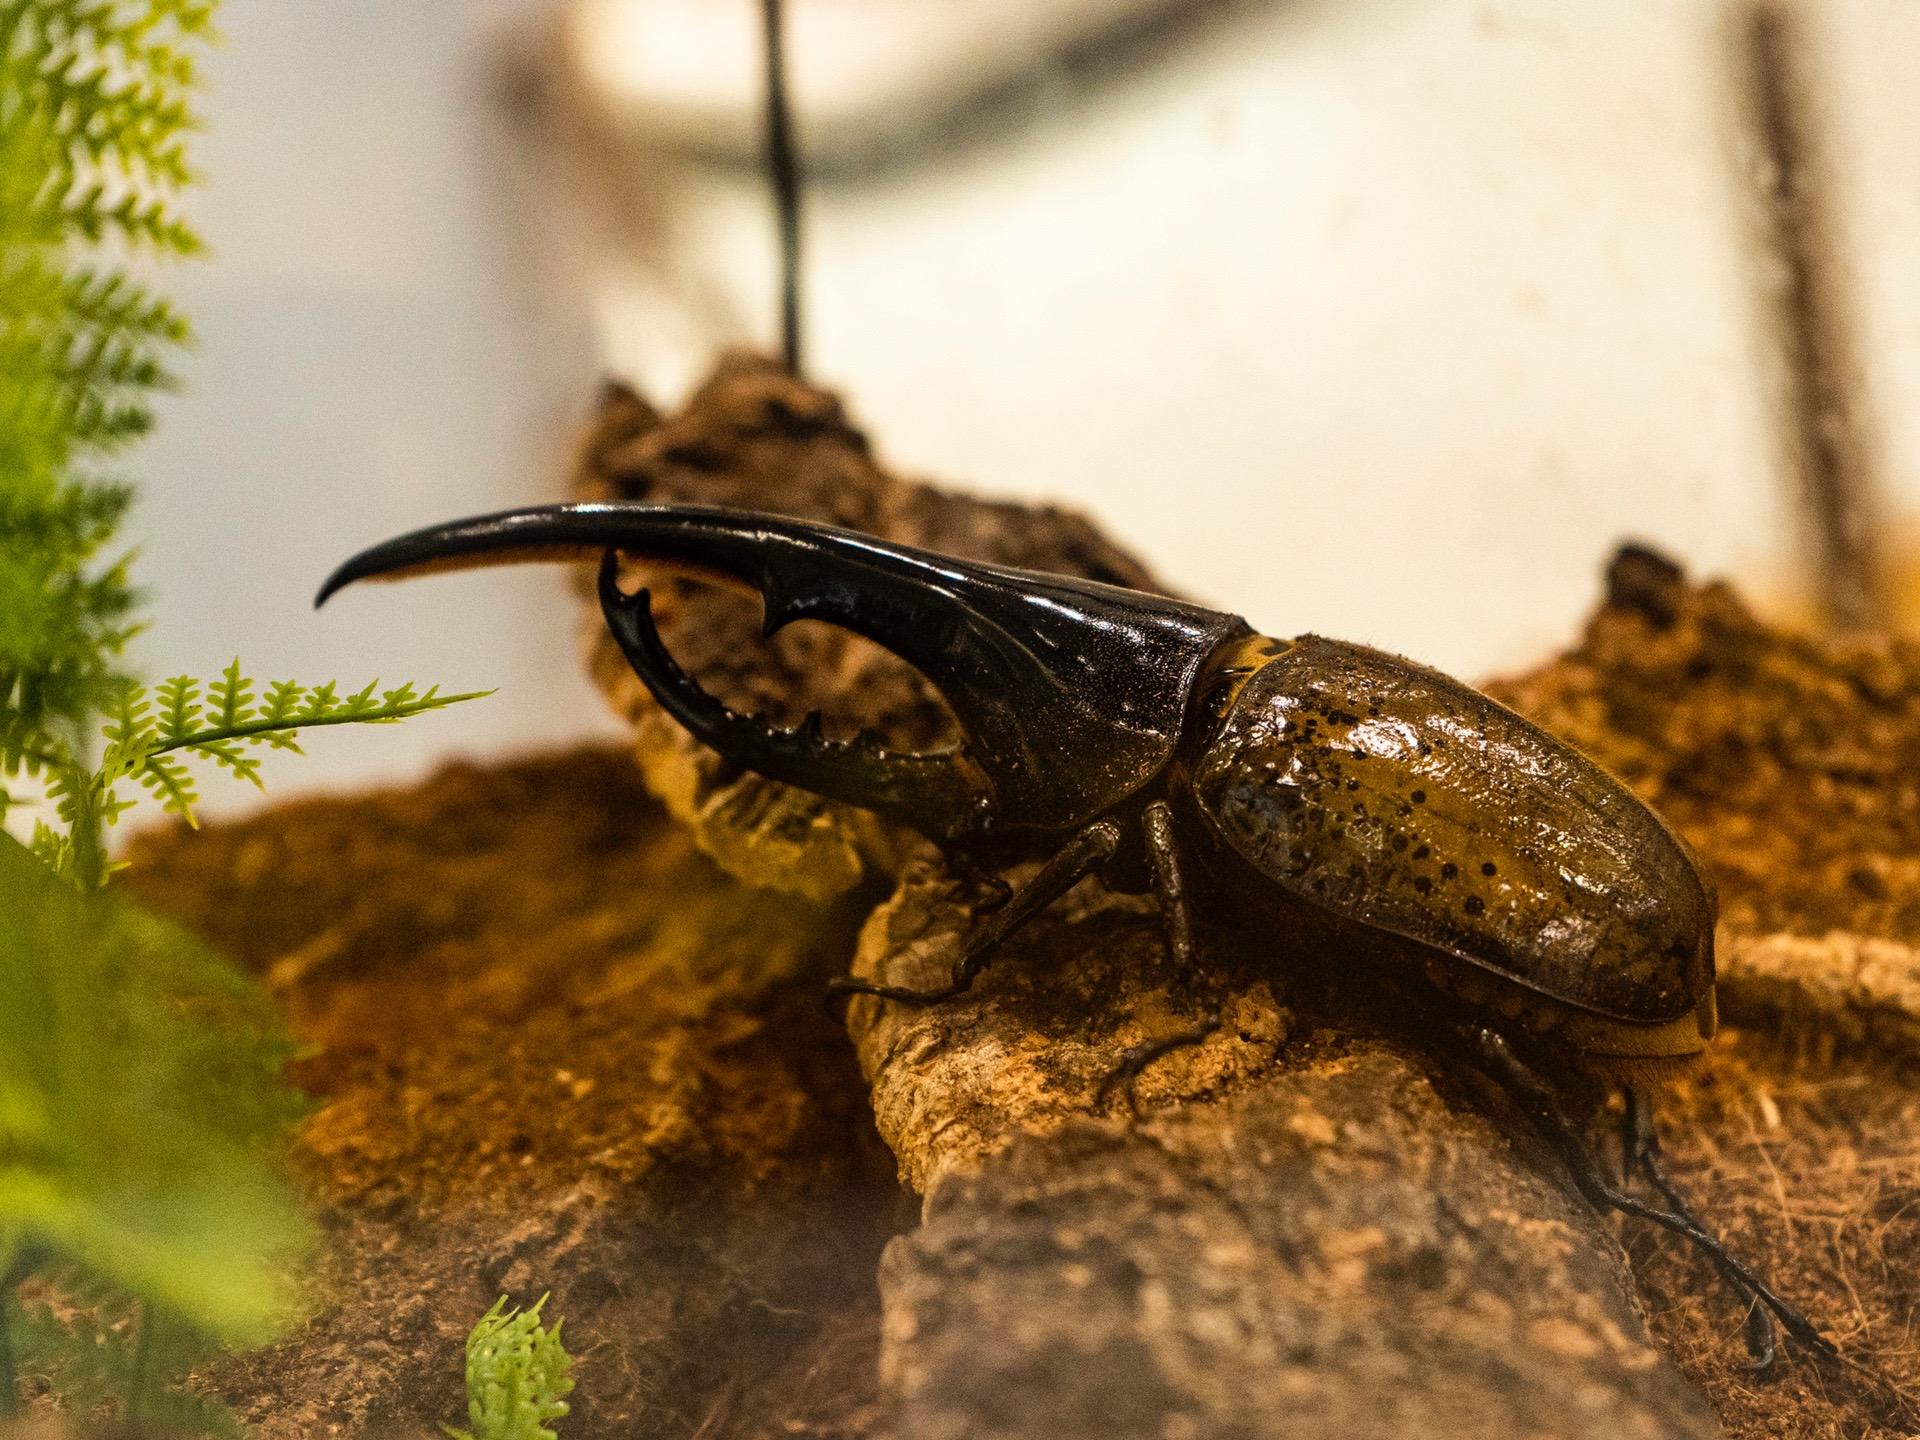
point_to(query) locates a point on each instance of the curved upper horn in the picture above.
(1071, 694)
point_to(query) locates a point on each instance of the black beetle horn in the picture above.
(1071, 693)
(938, 792)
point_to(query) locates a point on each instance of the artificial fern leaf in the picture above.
(320, 700)
(171, 784)
(231, 697)
(517, 1380)
(151, 733)
(94, 109)
(179, 705)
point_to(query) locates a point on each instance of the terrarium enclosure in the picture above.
(476, 1077)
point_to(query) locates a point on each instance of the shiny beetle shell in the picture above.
(1398, 799)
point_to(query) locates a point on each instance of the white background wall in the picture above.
(1384, 318)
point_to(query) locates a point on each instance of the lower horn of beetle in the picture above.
(930, 792)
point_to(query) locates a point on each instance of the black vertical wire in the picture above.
(784, 171)
(1816, 333)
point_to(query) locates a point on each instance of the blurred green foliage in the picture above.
(140, 1110)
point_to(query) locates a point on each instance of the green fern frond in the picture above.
(152, 732)
(517, 1378)
(94, 110)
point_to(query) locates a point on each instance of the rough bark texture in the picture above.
(555, 1046)
(1316, 1236)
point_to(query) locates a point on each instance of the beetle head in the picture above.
(1070, 694)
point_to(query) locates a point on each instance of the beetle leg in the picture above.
(1643, 1151)
(1085, 853)
(977, 877)
(1543, 1107)
(1139, 1056)
(1633, 1130)
(1157, 827)
(1169, 890)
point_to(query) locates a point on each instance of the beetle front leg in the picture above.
(1084, 854)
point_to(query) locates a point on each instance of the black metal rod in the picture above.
(784, 170)
(1824, 423)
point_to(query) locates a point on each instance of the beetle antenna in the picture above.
(783, 169)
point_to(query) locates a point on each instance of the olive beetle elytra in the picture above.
(1301, 787)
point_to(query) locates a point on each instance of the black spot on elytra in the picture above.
(1419, 797)
(1474, 905)
(1489, 868)
(1422, 884)
(1399, 842)
(1420, 852)
(1449, 870)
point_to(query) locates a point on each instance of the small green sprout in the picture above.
(516, 1376)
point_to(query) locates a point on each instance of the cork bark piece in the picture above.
(1326, 1213)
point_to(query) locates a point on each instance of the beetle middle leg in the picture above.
(1085, 853)
(1543, 1107)
(1176, 920)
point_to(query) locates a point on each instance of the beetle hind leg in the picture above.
(991, 891)
(1640, 1150)
(1537, 1098)
(1084, 854)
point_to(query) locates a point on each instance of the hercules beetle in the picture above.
(1324, 792)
